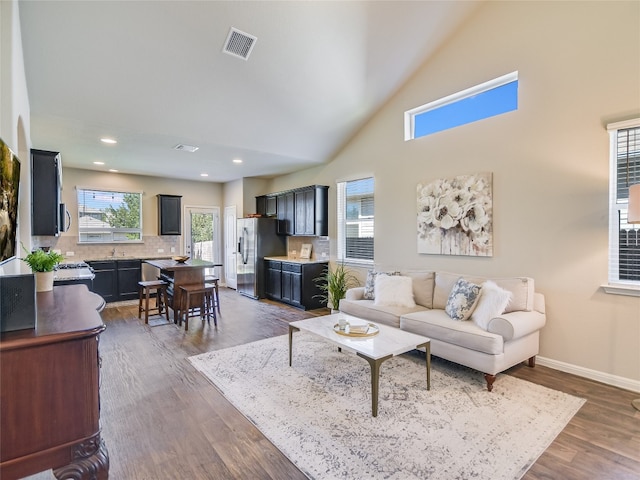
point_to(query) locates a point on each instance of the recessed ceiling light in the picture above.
(98, 163)
(113, 170)
(237, 160)
(204, 174)
(108, 140)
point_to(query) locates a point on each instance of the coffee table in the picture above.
(376, 349)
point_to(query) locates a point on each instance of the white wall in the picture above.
(14, 117)
(579, 69)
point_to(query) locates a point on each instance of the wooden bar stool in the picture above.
(206, 306)
(162, 301)
(213, 279)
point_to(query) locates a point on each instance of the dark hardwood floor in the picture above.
(163, 420)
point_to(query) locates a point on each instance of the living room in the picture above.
(578, 72)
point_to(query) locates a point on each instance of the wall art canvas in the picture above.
(9, 185)
(455, 216)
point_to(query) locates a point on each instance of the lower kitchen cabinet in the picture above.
(293, 283)
(117, 280)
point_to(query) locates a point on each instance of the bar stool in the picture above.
(207, 292)
(162, 301)
(213, 279)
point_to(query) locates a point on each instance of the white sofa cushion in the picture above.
(386, 315)
(422, 287)
(394, 290)
(436, 324)
(462, 299)
(370, 283)
(492, 302)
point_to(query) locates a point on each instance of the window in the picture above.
(355, 221)
(624, 238)
(486, 100)
(109, 216)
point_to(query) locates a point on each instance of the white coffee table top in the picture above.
(390, 340)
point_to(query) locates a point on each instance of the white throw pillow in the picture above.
(493, 302)
(394, 290)
(462, 300)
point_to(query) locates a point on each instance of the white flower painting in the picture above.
(455, 216)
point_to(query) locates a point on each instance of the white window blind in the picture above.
(356, 215)
(109, 216)
(624, 238)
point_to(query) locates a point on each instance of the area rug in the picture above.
(318, 412)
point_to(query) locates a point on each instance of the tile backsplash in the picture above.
(152, 245)
(149, 248)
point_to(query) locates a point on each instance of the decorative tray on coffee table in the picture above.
(372, 330)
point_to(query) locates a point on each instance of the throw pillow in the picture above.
(462, 299)
(493, 302)
(370, 284)
(394, 291)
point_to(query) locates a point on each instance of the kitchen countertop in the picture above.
(110, 258)
(297, 260)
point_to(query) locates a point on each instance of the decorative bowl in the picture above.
(181, 259)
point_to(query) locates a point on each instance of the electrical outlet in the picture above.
(173, 249)
(69, 254)
(161, 250)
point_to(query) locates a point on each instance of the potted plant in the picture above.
(334, 285)
(42, 264)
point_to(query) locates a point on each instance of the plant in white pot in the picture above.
(334, 285)
(42, 264)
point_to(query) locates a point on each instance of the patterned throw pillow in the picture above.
(462, 299)
(370, 284)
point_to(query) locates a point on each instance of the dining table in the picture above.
(176, 274)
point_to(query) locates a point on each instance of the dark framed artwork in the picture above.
(9, 187)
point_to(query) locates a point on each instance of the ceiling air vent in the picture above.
(185, 148)
(239, 44)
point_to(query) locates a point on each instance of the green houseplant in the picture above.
(42, 264)
(334, 284)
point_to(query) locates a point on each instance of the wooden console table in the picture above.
(49, 390)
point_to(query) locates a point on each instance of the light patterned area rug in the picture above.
(318, 412)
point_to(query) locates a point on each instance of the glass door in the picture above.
(202, 235)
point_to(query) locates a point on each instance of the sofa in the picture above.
(485, 324)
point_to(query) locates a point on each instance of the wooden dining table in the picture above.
(181, 273)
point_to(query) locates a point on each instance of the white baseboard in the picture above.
(614, 380)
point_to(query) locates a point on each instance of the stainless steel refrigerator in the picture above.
(257, 238)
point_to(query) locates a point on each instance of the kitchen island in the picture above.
(180, 273)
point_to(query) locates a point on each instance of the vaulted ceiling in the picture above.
(152, 75)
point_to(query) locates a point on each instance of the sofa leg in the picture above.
(490, 379)
(532, 361)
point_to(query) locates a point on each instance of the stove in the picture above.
(73, 273)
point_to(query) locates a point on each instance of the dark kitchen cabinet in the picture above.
(46, 183)
(286, 213)
(294, 283)
(117, 280)
(169, 215)
(129, 274)
(266, 205)
(105, 282)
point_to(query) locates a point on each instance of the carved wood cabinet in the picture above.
(49, 390)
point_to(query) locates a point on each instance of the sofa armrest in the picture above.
(519, 324)
(356, 293)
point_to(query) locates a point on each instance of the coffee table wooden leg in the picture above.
(375, 379)
(427, 350)
(291, 330)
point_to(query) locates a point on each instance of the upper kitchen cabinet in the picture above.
(302, 211)
(311, 211)
(169, 215)
(46, 183)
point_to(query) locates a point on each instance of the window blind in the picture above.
(624, 238)
(109, 216)
(356, 214)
